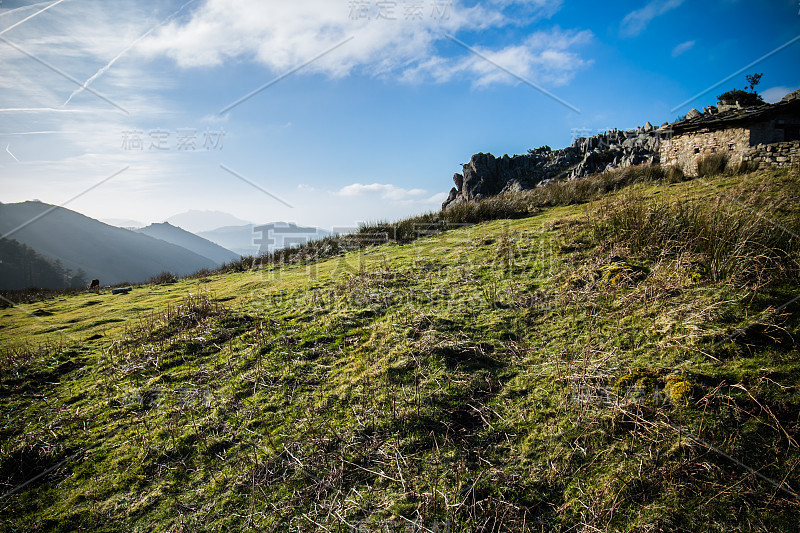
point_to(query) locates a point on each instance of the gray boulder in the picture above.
(693, 113)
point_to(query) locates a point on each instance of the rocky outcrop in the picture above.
(486, 175)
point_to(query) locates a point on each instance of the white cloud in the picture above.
(284, 35)
(682, 48)
(544, 57)
(775, 94)
(636, 21)
(386, 191)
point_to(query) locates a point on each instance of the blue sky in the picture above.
(371, 105)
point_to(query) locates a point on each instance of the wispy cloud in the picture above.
(682, 48)
(385, 191)
(636, 21)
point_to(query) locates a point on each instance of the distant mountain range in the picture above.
(200, 221)
(249, 239)
(123, 223)
(78, 247)
(172, 234)
(111, 254)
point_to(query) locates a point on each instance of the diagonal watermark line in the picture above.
(26, 19)
(701, 442)
(283, 76)
(734, 460)
(62, 73)
(54, 467)
(257, 186)
(738, 72)
(512, 73)
(742, 329)
(53, 208)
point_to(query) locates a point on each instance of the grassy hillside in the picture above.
(626, 363)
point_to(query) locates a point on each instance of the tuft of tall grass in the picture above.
(712, 165)
(194, 309)
(736, 243)
(743, 167)
(15, 356)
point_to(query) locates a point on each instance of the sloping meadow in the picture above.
(622, 360)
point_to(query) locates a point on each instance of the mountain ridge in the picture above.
(111, 254)
(190, 241)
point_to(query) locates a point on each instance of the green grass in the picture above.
(587, 363)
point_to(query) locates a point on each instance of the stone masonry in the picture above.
(684, 150)
(774, 155)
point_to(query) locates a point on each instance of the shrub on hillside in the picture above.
(163, 278)
(744, 98)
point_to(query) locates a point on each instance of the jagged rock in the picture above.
(486, 175)
(693, 113)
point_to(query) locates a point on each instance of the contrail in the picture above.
(12, 155)
(33, 132)
(40, 110)
(26, 19)
(114, 60)
(21, 8)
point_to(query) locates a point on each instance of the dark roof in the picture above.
(736, 117)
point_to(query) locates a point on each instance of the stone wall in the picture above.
(685, 149)
(774, 155)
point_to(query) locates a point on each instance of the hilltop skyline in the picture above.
(333, 113)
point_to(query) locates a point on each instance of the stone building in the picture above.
(768, 134)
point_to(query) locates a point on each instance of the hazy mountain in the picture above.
(172, 234)
(111, 254)
(123, 223)
(199, 221)
(237, 239)
(246, 239)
